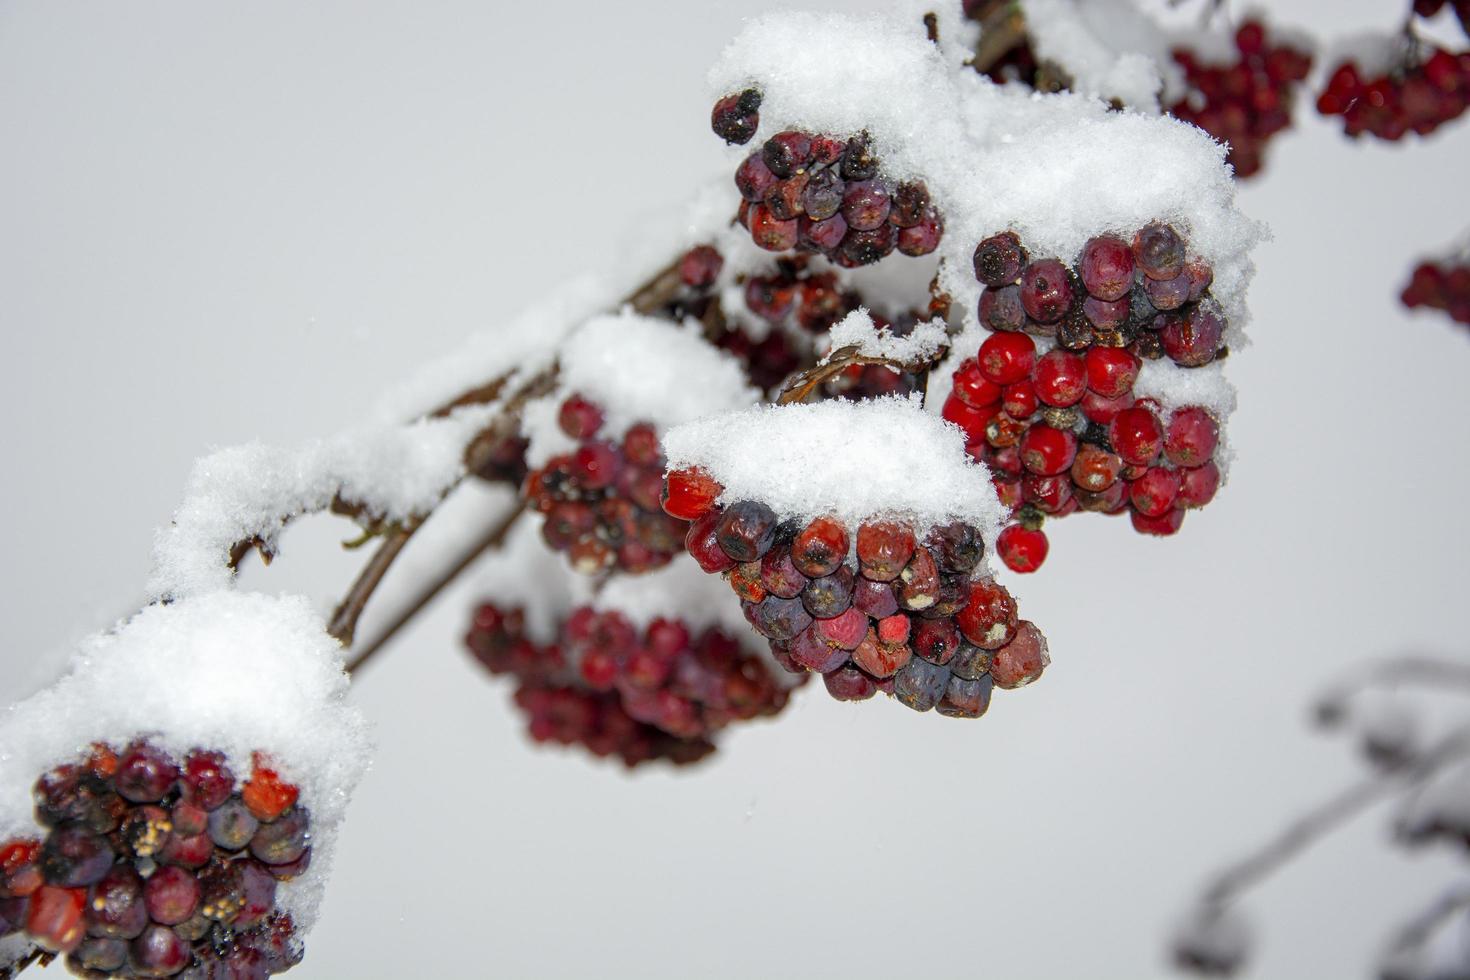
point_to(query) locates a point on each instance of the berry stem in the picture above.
(492, 538)
(1327, 816)
(344, 621)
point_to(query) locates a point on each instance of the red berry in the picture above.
(883, 549)
(700, 266)
(54, 920)
(1197, 485)
(1061, 378)
(1194, 340)
(1022, 660)
(1019, 400)
(849, 684)
(735, 118)
(689, 494)
(1111, 371)
(770, 232)
(820, 548)
(1006, 358)
(596, 465)
(1021, 548)
(1163, 525)
(845, 630)
(972, 387)
(1103, 410)
(1095, 469)
(1154, 492)
(1191, 437)
(879, 658)
(1046, 290)
(1136, 436)
(988, 618)
(1107, 267)
(1048, 451)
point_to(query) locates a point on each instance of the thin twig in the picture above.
(1327, 816)
(805, 382)
(344, 621)
(493, 537)
(1417, 930)
(1405, 671)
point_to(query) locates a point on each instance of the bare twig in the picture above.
(802, 384)
(1413, 933)
(1326, 816)
(493, 537)
(1411, 670)
(344, 621)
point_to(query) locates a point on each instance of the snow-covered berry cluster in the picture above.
(1065, 430)
(151, 866)
(601, 502)
(658, 693)
(871, 609)
(824, 194)
(1244, 102)
(1440, 286)
(1417, 93)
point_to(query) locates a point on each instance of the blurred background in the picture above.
(222, 222)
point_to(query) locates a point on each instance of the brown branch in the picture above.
(344, 621)
(1326, 816)
(805, 382)
(492, 538)
(661, 287)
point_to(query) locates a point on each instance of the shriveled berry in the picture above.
(1023, 549)
(193, 851)
(1001, 309)
(735, 118)
(918, 583)
(1006, 358)
(1104, 315)
(787, 152)
(923, 237)
(74, 857)
(105, 956)
(1111, 371)
(1046, 290)
(1095, 469)
(779, 619)
(1159, 251)
(770, 232)
(746, 530)
(970, 662)
(20, 868)
(858, 160)
(936, 640)
(999, 260)
(754, 179)
(1022, 660)
(282, 840)
(820, 547)
(1107, 267)
(266, 793)
(689, 494)
(988, 619)
(779, 574)
(824, 235)
(883, 549)
(957, 546)
(880, 658)
(1162, 526)
(828, 595)
(865, 205)
(845, 630)
(822, 196)
(1168, 294)
(965, 698)
(703, 544)
(920, 684)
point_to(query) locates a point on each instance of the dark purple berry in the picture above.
(825, 235)
(786, 153)
(1159, 251)
(746, 530)
(822, 196)
(754, 179)
(875, 599)
(778, 619)
(858, 161)
(910, 202)
(160, 952)
(920, 684)
(171, 894)
(829, 595)
(74, 857)
(1167, 294)
(970, 662)
(936, 640)
(144, 774)
(115, 905)
(232, 825)
(1001, 308)
(102, 955)
(957, 546)
(284, 839)
(735, 118)
(964, 698)
(850, 684)
(866, 247)
(814, 653)
(865, 205)
(999, 260)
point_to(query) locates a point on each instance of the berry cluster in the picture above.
(150, 868)
(1441, 286)
(602, 501)
(1063, 431)
(659, 694)
(879, 610)
(1246, 102)
(1418, 95)
(823, 193)
(1147, 296)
